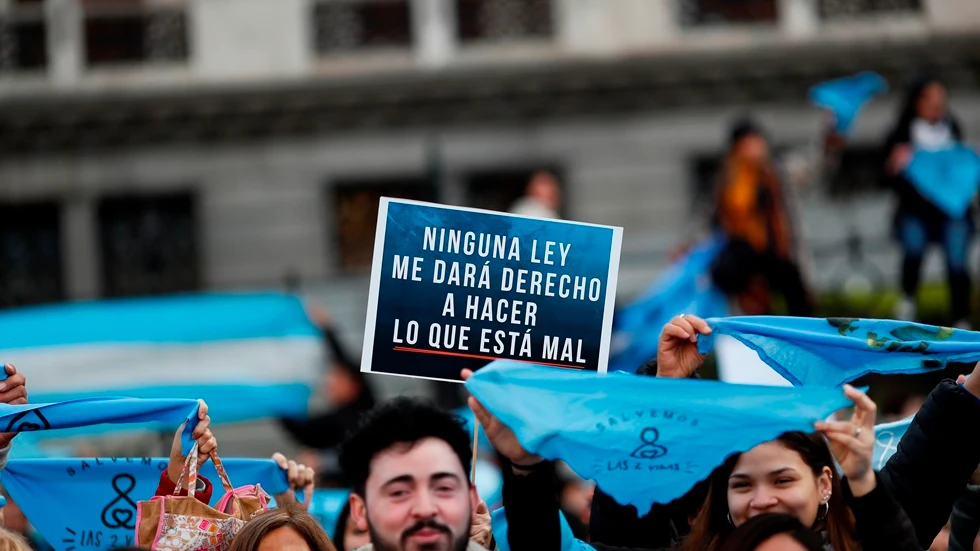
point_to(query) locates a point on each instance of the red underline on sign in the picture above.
(479, 357)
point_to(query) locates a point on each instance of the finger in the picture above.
(202, 427)
(292, 473)
(481, 509)
(681, 321)
(961, 380)
(865, 408)
(674, 331)
(10, 369)
(308, 475)
(207, 445)
(202, 409)
(16, 380)
(835, 426)
(308, 494)
(18, 394)
(846, 440)
(481, 413)
(698, 324)
(280, 460)
(466, 374)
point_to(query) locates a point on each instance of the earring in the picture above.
(730, 519)
(826, 511)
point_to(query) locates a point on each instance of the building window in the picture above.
(30, 254)
(503, 20)
(23, 37)
(355, 205)
(342, 26)
(832, 9)
(120, 32)
(711, 12)
(149, 245)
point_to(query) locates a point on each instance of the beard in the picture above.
(458, 544)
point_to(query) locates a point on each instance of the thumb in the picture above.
(961, 379)
(481, 509)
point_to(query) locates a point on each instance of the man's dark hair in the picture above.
(400, 421)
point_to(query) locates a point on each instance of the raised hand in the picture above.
(677, 352)
(206, 443)
(499, 434)
(852, 442)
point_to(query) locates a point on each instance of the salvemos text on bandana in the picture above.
(833, 351)
(643, 440)
(91, 503)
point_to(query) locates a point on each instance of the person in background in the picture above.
(287, 528)
(575, 499)
(925, 123)
(773, 532)
(346, 535)
(15, 521)
(350, 396)
(13, 391)
(752, 211)
(542, 197)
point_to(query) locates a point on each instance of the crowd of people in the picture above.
(408, 463)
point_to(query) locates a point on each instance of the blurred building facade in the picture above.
(153, 146)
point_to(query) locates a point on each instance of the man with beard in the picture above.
(408, 463)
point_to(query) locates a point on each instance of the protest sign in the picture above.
(455, 288)
(90, 503)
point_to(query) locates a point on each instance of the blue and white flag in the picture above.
(887, 437)
(644, 440)
(844, 97)
(498, 524)
(91, 503)
(248, 355)
(948, 178)
(684, 288)
(833, 351)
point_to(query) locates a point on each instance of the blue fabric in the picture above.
(190, 318)
(948, 178)
(91, 503)
(831, 352)
(498, 524)
(684, 288)
(887, 437)
(845, 97)
(644, 440)
(94, 411)
(326, 506)
(216, 346)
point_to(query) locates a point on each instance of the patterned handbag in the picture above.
(178, 523)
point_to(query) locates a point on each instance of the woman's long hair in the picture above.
(290, 516)
(712, 527)
(760, 529)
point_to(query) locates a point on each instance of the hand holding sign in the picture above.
(852, 442)
(499, 434)
(677, 354)
(206, 443)
(13, 390)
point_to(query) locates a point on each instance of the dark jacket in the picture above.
(532, 510)
(964, 522)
